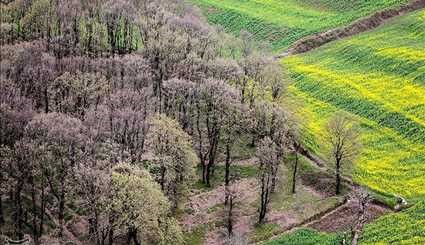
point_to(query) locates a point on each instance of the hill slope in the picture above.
(282, 22)
(407, 227)
(379, 78)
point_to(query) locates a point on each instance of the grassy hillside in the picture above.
(282, 22)
(379, 78)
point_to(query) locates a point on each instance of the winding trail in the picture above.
(359, 26)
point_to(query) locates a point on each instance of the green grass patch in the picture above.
(282, 22)
(263, 232)
(236, 172)
(196, 236)
(308, 237)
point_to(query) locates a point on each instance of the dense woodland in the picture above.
(108, 108)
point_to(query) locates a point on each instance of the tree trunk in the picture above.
(1, 210)
(213, 153)
(253, 139)
(211, 159)
(243, 91)
(294, 174)
(43, 208)
(338, 177)
(207, 175)
(111, 230)
(18, 212)
(260, 219)
(264, 198)
(274, 179)
(230, 218)
(2, 221)
(35, 232)
(204, 173)
(132, 236)
(46, 100)
(355, 238)
(162, 181)
(227, 174)
(61, 213)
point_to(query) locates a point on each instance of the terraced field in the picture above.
(282, 22)
(379, 78)
(406, 227)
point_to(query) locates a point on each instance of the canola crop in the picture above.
(379, 78)
(407, 227)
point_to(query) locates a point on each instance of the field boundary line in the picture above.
(359, 26)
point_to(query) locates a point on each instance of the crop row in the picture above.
(378, 77)
(282, 22)
(346, 99)
(406, 227)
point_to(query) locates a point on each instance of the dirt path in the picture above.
(312, 42)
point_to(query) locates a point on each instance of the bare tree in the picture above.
(234, 126)
(268, 159)
(74, 94)
(272, 74)
(212, 100)
(61, 138)
(126, 116)
(363, 199)
(295, 168)
(343, 137)
(178, 102)
(230, 219)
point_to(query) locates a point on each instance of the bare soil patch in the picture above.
(342, 218)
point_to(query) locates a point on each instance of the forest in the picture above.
(143, 122)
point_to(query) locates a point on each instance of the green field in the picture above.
(379, 78)
(407, 227)
(307, 237)
(282, 22)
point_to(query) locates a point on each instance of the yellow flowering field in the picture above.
(379, 78)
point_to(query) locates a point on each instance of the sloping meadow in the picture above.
(379, 78)
(282, 22)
